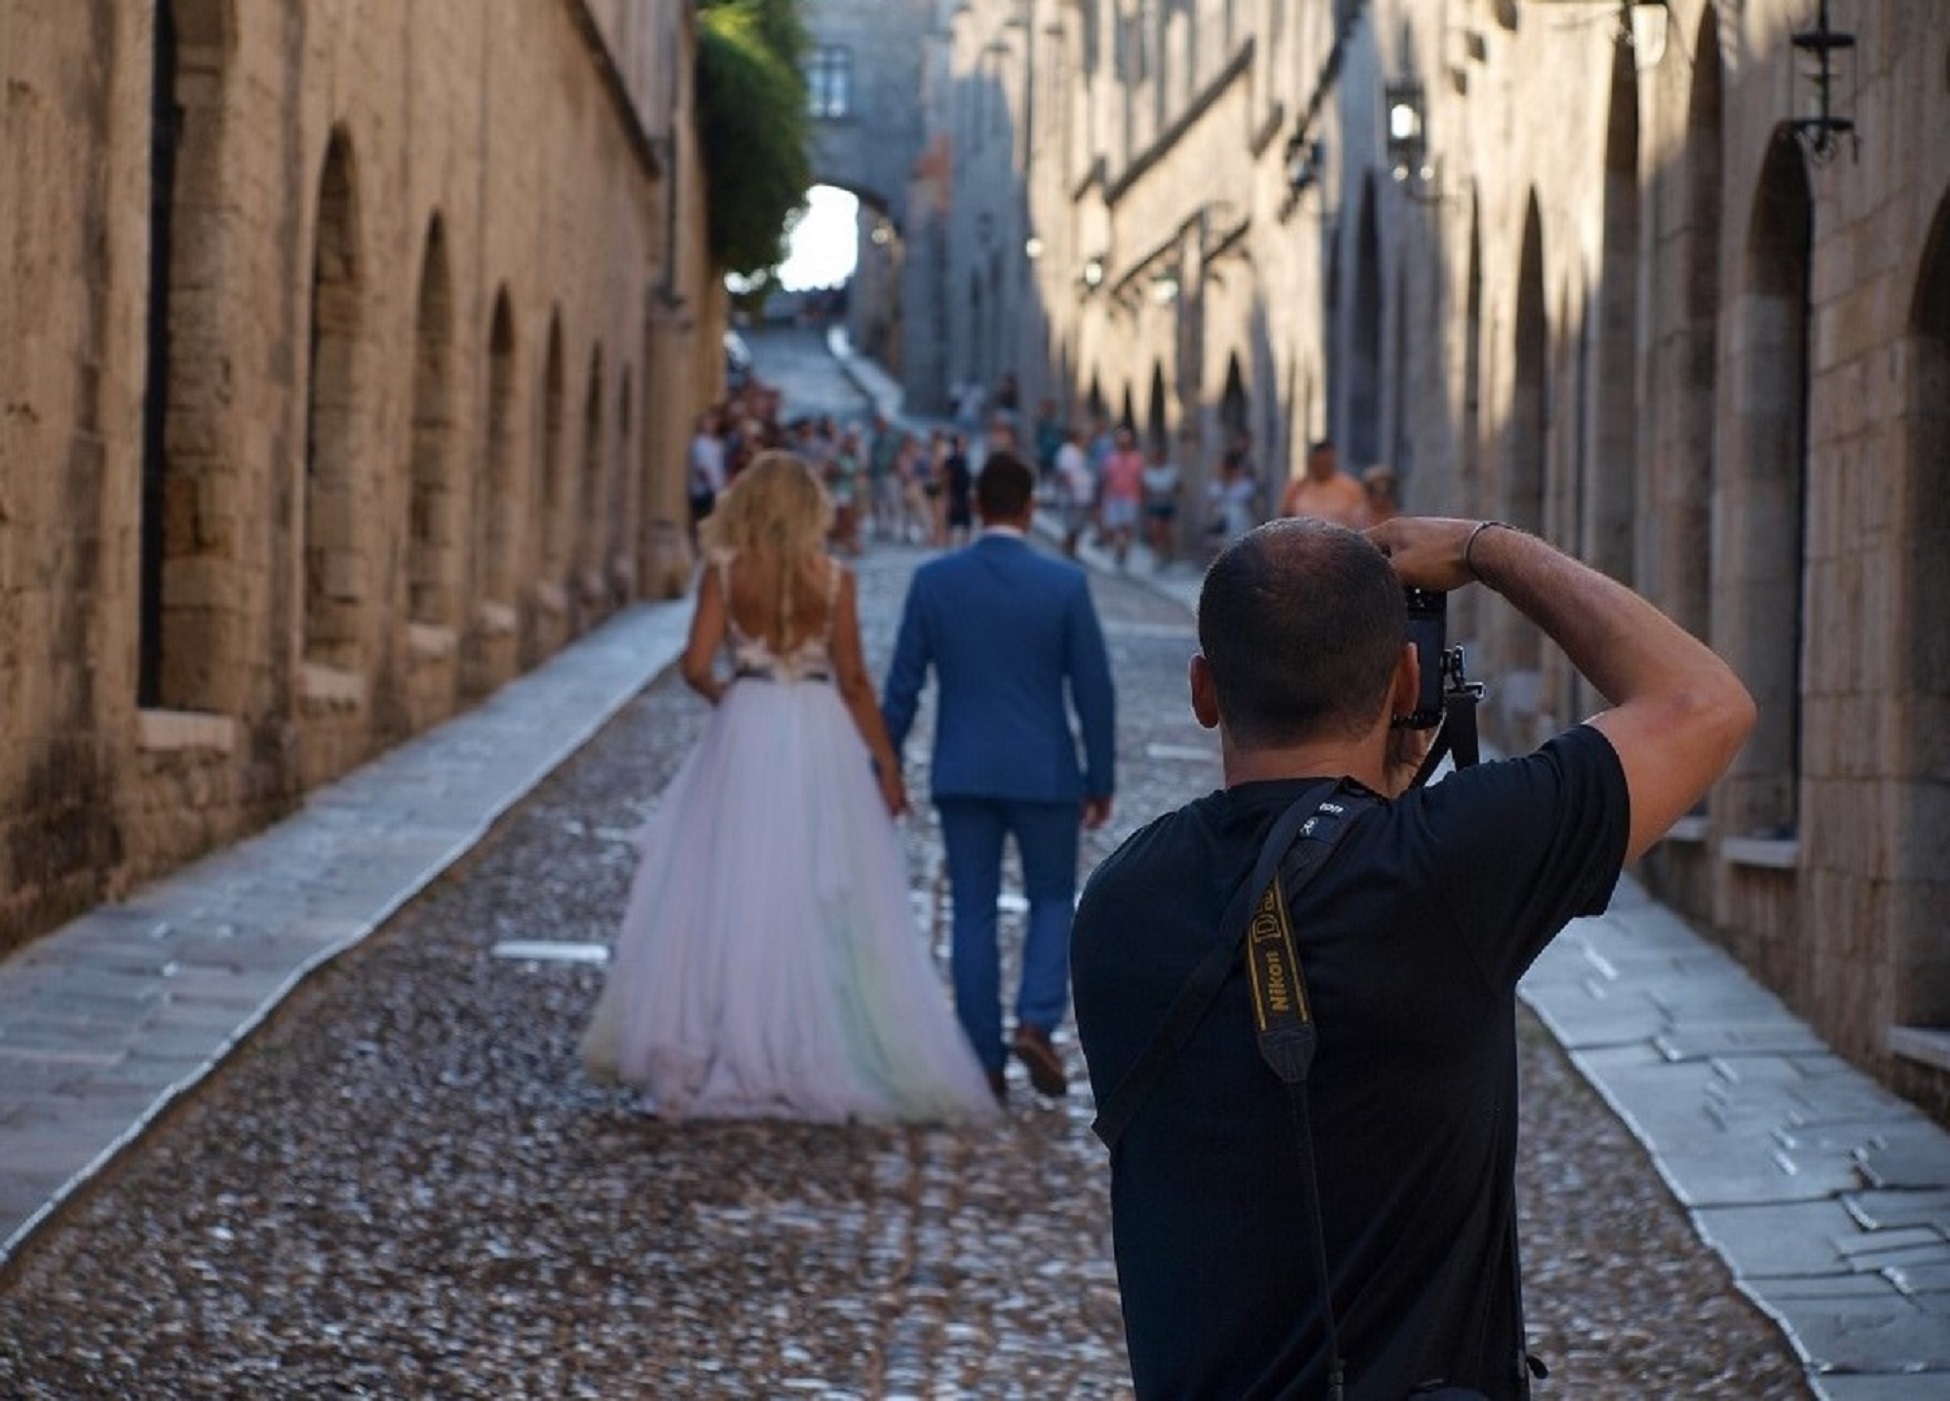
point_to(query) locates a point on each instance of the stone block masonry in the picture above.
(301, 304)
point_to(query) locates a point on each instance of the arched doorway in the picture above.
(1362, 447)
(433, 526)
(185, 660)
(1157, 432)
(1923, 661)
(500, 505)
(588, 592)
(1684, 508)
(1762, 501)
(1520, 469)
(335, 561)
(1609, 495)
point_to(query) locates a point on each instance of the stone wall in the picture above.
(346, 352)
(1612, 297)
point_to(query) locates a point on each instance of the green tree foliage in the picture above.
(753, 127)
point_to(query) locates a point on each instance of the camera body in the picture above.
(1428, 629)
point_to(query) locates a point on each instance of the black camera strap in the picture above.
(1283, 1019)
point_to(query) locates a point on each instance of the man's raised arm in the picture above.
(1678, 713)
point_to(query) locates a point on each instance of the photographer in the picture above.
(1410, 939)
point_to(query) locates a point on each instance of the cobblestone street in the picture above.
(404, 1187)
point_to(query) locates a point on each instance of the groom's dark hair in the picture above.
(1004, 487)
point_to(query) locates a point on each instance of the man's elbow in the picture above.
(1719, 715)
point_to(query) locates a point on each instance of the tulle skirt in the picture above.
(769, 964)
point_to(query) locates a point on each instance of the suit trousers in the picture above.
(972, 830)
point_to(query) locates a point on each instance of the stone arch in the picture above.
(1520, 470)
(433, 548)
(1761, 505)
(1520, 479)
(554, 525)
(335, 552)
(1683, 509)
(1923, 656)
(189, 555)
(500, 501)
(1606, 527)
(1363, 446)
(619, 559)
(1157, 430)
(1235, 404)
(589, 491)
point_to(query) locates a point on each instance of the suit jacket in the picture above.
(1004, 629)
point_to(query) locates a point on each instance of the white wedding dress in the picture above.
(768, 964)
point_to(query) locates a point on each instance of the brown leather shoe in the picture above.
(999, 1086)
(1032, 1047)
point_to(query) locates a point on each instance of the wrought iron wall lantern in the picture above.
(1092, 276)
(1820, 52)
(1306, 163)
(1407, 140)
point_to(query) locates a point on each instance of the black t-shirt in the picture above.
(1412, 940)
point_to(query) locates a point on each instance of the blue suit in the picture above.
(1006, 630)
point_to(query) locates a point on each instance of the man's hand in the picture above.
(1096, 812)
(1427, 551)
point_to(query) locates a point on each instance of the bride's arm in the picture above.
(699, 663)
(856, 689)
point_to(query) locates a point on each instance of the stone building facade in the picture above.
(1573, 264)
(347, 357)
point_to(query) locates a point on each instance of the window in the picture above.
(829, 81)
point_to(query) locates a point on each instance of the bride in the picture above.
(768, 963)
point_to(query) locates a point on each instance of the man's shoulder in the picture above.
(1164, 850)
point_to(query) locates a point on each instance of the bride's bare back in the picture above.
(785, 619)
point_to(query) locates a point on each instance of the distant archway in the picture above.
(554, 522)
(589, 493)
(500, 507)
(1157, 432)
(1363, 445)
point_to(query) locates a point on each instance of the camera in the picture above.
(1446, 696)
(1428, 629)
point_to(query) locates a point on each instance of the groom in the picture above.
(1004, 629)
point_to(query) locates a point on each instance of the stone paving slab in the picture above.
(1826, 1194)
(106, 1020)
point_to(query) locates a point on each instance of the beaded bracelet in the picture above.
(1470, 544)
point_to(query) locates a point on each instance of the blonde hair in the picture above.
(776, 507)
